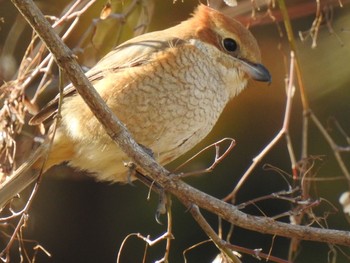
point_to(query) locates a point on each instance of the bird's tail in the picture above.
(24, 175)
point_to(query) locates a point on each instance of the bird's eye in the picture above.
(230, 45)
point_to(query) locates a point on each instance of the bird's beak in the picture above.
(256, 71)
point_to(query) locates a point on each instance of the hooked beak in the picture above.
(256, 71)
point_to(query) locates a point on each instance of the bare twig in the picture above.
(149, 242)
(332, 144)
(220, 244)
(307, 112)
(257, 253)
(283, 132)
(217, 159)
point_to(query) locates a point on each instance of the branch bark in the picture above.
(118, 132)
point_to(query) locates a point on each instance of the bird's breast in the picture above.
(169, 105)
(178, 98)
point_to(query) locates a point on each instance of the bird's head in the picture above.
(235, 46)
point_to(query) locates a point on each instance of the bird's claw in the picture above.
(162, 206)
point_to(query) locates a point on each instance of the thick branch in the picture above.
(120, 135)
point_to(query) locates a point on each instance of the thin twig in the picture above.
(217, 159)
(332, 144)
(220, 244)
(284, 130)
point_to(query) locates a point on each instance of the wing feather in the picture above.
(133, 53)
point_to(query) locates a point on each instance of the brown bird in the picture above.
(168, 87)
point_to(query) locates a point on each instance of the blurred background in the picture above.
(79, 220)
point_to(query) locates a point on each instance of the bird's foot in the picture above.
(132, 166)
(163, 197)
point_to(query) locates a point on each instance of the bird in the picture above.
(168, 87)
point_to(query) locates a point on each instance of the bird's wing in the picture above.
(133, 53)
